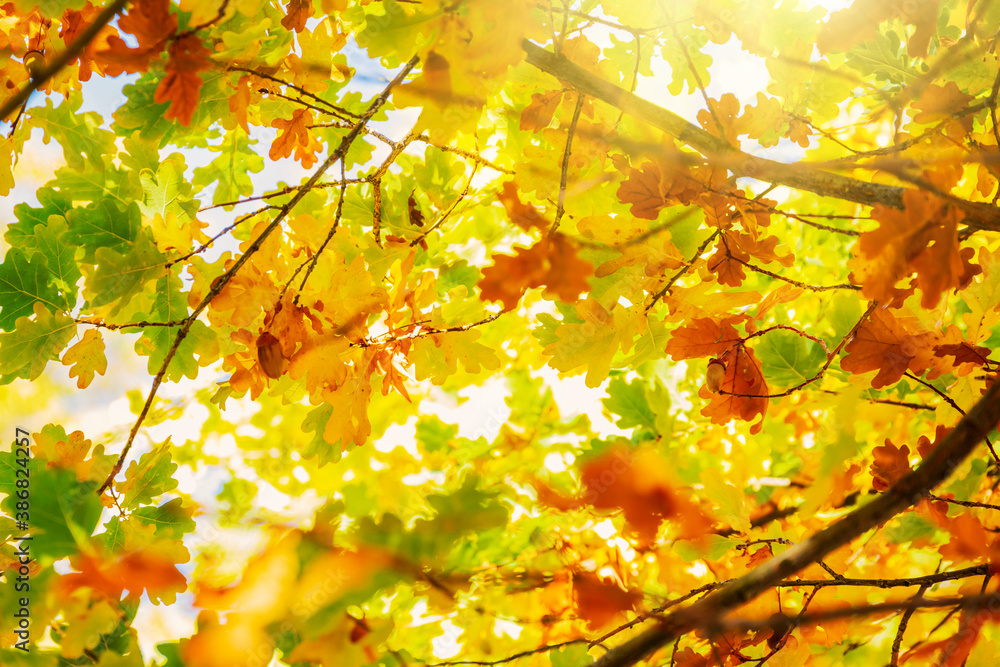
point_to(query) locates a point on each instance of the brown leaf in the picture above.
(599, 602)
(639, 485)
(882, 343)
(742, 391)
(413, 211)
(537, 115)
(293, 135)
(152, 24)
(524, 216)
(891, 465)
(551, 263)
(296, 15)
(922, 238)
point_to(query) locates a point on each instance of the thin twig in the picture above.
(560, 207)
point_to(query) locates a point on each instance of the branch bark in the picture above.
(908, 491)
(800, 176)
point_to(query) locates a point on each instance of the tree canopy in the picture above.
(786, 302)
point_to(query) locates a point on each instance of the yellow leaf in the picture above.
(86, 358)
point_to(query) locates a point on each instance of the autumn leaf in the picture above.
(296, 15)
(551, 263)
(860, 22)
(86, 358)
(537, 115)
(922, 238)
(152, 24)
(293, 135)
(704, 337)
(525, 216)
(891, 465)
(600, 602)
(742, 392)
(882, 343)
(639, 484)
(182, 85)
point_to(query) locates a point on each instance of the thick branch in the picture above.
(799, 176)
(908, 491)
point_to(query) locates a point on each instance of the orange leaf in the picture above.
(552, 263)
(969, 541)
(599, 602)
(239, 102)
(922, 238)
(294, 135)
(882, 343)
(135, 572)
(703, 337)
(742, 390)
(152, 24)
(638, 484)
(891, 465)
(658, 184)
(524, 216)
(182, 85)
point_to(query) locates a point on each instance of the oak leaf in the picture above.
(743, 391)
(182, 84)
(551, 263)
(882, 343)
(704, 337)
(599, 602)
(639, 484)
(86, 358)
(537, 115)
(891, 465)
(152, 23)
(922, 238)
(293, 135)
(296, 15)
(523, 215)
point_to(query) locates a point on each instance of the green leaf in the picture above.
(434, 434)
(63, 511)
(628, 401)
(571, 656)
(103, 224)
(230, 171)
(121, 275)
(24, 282)
(199, 347)
(788, 359)
(33, 343)
(80, 135)
(51, 243)
(149, 477)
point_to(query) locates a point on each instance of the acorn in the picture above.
(714, 374)
(269, 355)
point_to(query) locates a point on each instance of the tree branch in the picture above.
(908, 491)
(800, 176)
